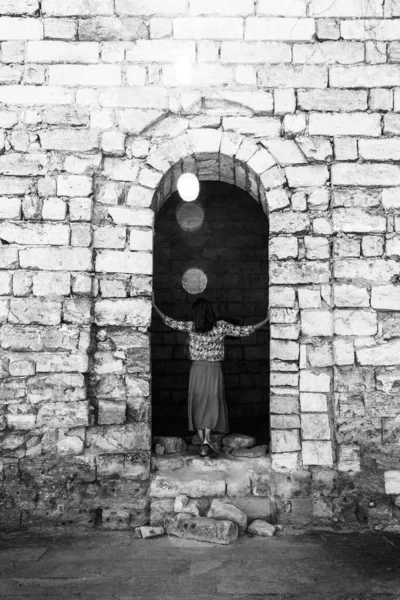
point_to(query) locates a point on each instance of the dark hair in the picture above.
(203, 315)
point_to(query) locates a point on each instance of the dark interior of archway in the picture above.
(231, 248)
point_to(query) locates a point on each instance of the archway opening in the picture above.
(224, 237)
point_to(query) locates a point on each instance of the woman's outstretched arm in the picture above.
(242, 330)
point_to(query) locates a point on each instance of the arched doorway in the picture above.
(225, 235)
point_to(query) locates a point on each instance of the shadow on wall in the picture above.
(225, 234)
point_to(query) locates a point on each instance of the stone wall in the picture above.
(295, 102)
(233, 254)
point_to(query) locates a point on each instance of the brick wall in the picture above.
(234, 256)
(295, 102)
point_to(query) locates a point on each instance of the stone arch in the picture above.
(221, 156)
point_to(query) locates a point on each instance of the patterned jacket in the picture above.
(209, 345)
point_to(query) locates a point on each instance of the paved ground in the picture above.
(105, 566)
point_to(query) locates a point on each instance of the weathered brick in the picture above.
(391, 124)
(285, 440)
(121, 170)
(333, 100)
(60, 414)
(316, 323)
(82, 75)
(385, 297)
(310, 402)
(380, 354)
(211, 28)
(382, 149)
(260, 28)
(315, 427)
(317, 248)
(372, 174)
(23, 164)
(307, 176)
(350, 322)
(109, 237)
(77, 8)
(357, 220)
(112, 29)
(124, 262)
(314, 382)
(350, 295)
(14, 28)
(368, 76)
(317, 453)
(152, 97)
(69, 139)
(10, 208)
(346, 124)
(291, 272)
(32, 310)
(329, 53)
(160, 51)
(51, 284)
(38, 96)
(134, 311)
(371, 270)
(59, 52)
(34, 233)
(74, 185)
(255, 52)
(57, 259)
(60, 29)
(367, 29)
(62, 363)
(299, 76)
(19, 7)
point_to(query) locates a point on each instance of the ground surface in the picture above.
(112, 565)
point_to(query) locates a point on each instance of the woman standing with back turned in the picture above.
(207, 410)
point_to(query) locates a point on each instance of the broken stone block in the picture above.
(262, 528)
(185, 504)
(170, 444)
(202, 529)
(159, 509)
(151, 532)
(159, 449)
(238, 440)
(228, 512)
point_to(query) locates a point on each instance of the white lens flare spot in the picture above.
(183, 70)
(188, 187)
(194, 281)
(190, 216)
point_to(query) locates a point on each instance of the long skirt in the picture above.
(206, 402)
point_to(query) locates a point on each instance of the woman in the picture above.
(207, 408)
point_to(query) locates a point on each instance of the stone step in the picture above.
(170, 484)
(223, 462)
